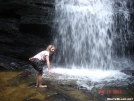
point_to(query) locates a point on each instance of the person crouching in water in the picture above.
(37, 63)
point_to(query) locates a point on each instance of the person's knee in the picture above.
(40, 73)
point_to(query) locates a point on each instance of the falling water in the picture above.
(89, 33)
(91, 37)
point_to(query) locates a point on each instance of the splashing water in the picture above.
(89, 78)
(84, 29)
(89, 35)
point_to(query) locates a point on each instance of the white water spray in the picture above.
(88, 36)
(84, 33)
(90, 33)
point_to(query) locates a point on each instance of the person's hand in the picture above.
(50, 72)
(30, 58)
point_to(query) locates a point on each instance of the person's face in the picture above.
(52, 50)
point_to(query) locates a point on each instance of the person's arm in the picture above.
(48, 64)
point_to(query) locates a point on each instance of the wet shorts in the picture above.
(37, 64)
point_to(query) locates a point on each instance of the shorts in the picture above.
(37, 64)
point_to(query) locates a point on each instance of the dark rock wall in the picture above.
(25, 27)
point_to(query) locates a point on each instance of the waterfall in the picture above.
(89, 33)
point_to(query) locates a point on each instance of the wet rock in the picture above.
(24, 74)
(32, 85)
(94, 90)
(25, 28)
(2, 68)
(27, 14)
(32, 100)
(24, 91)
(133, 74)
(8, 63)
(60, 97)
(128, 72)
(22, 77)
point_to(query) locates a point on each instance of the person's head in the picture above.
(51, 49)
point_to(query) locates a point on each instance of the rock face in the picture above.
(25, 27)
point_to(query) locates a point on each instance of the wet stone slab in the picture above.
(20, 86)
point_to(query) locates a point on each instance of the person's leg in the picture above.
(40, 80)
(38, 66)
(37, 82)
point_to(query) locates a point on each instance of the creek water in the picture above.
(20, 86)
(90, 39)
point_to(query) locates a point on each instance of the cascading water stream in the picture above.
(89, 35)
(84, 33)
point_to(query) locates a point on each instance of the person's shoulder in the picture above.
(46, 52)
